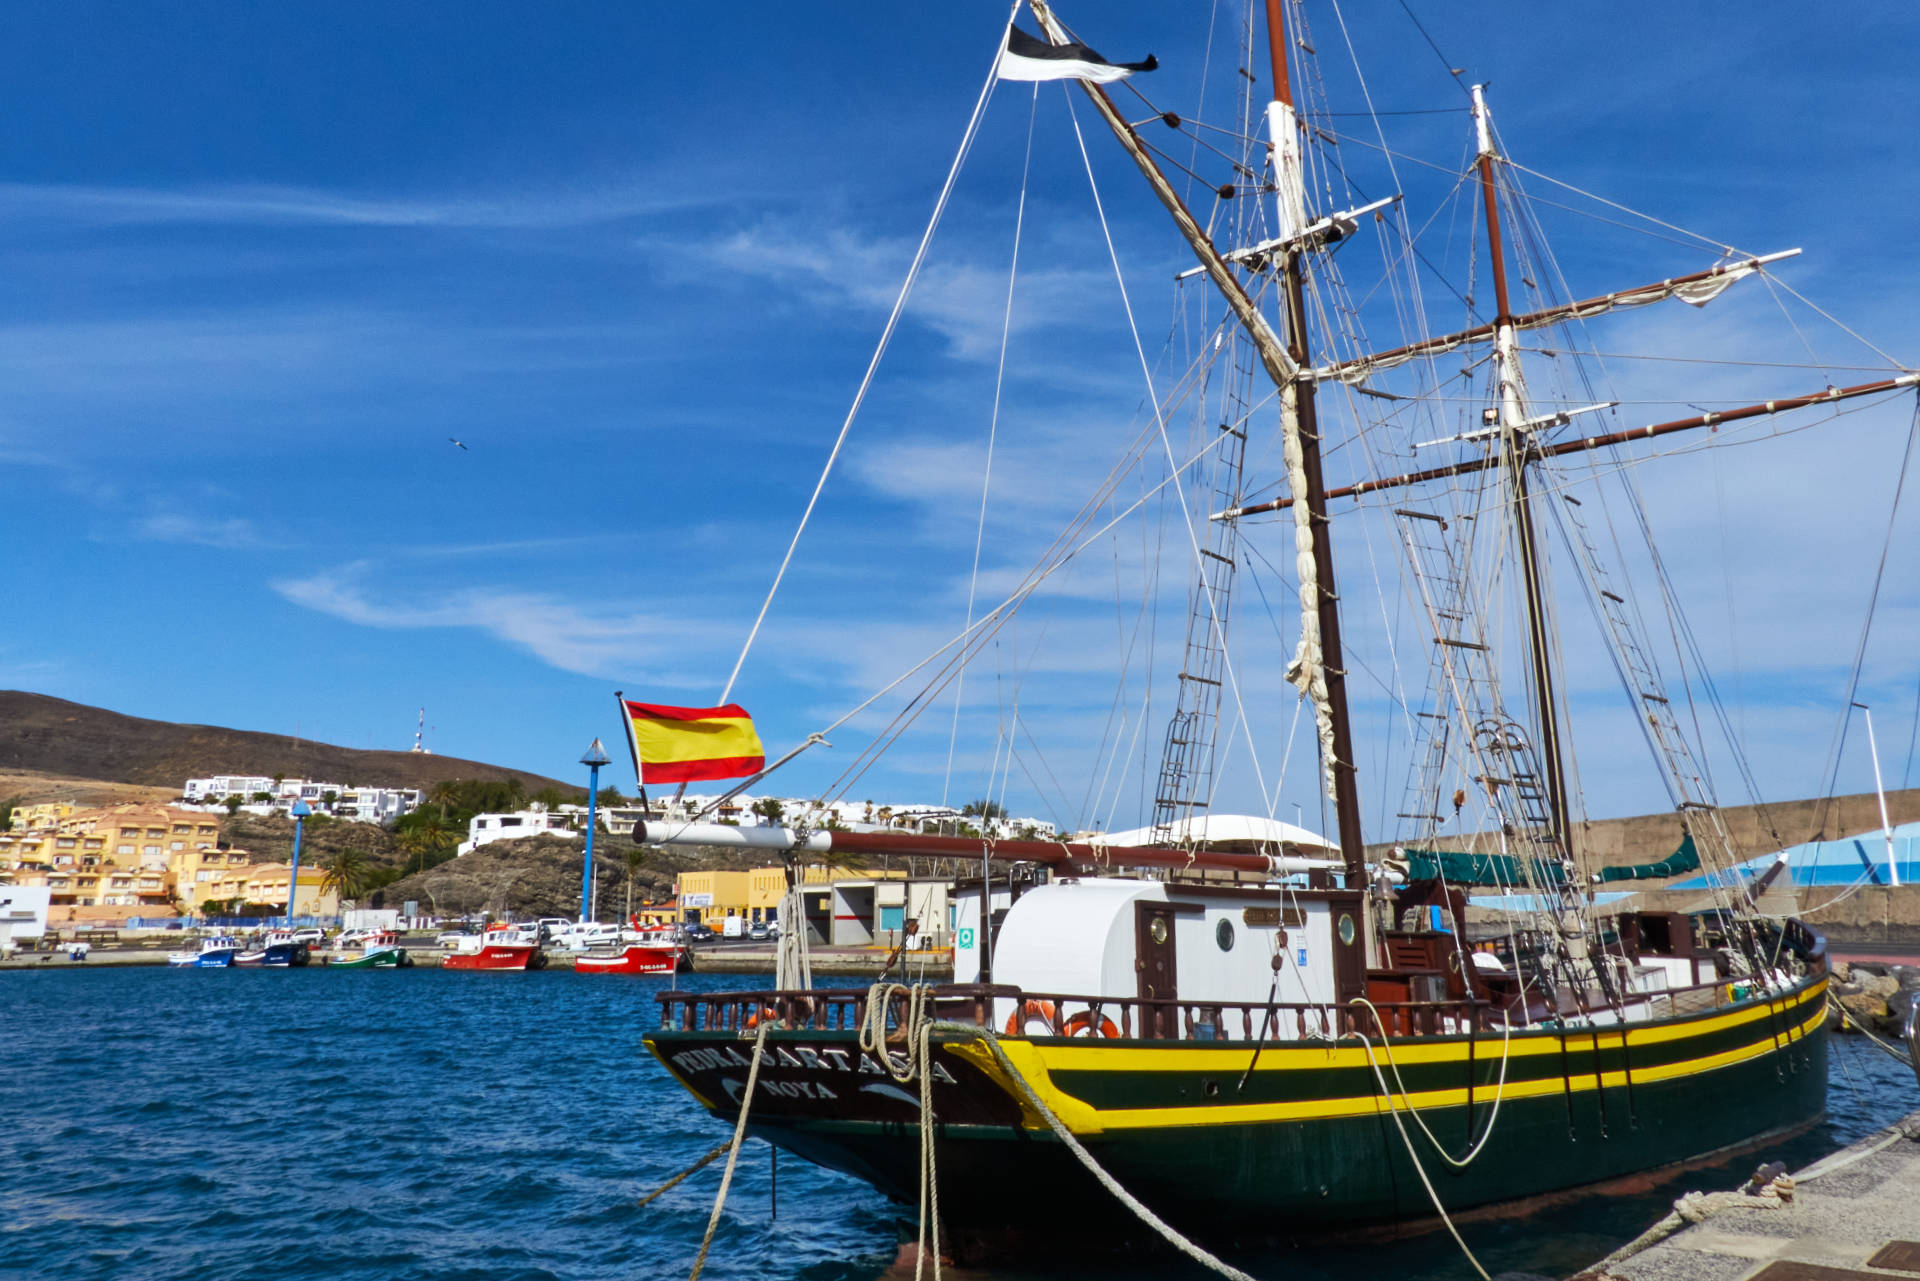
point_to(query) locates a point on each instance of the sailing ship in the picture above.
(1284, 1035)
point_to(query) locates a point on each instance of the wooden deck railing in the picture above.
(1022, 1011)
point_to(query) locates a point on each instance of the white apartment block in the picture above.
(358, 804)
(485, 829)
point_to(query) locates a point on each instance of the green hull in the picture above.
(394, 959)
(1310, 1142)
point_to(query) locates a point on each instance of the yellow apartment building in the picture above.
(36, 818)
(193, 872)
(267, 883)
(25, 857)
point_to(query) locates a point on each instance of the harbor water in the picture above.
(228, 1125)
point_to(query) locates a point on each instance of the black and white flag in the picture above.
(1031, 58)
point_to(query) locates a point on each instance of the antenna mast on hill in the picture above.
(420, 733)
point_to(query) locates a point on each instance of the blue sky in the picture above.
(261, 262)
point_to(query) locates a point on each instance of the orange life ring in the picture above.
(764, 1012)
(1042, 1011)
(1082, 1024)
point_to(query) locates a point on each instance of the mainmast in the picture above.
(1516, 443)
(1297, 399)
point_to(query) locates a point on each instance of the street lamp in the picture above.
(300, 811)
(593, 758)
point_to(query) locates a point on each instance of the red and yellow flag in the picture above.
(689, 744)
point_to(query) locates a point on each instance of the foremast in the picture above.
(1318, 668)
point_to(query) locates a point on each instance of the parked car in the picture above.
(700, 934)
(581, 938)
(759, 931)
(311, 935)
(453, 938)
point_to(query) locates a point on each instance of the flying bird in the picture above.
(461, 443)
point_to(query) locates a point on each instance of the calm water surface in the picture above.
(227, 1125)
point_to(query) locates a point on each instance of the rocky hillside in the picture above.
(540, 876)
(269, 839)
(72, 740)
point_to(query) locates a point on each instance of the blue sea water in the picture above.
(418, 1125)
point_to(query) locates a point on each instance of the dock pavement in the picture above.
(1850, 1216)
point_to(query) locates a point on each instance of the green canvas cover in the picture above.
(1504, 870)
(1682, 861)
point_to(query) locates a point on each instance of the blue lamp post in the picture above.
(300, 811)
(594, 757)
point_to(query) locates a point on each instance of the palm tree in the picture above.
(444, 794)
(422, 836)
(636, 859)
(347, 874)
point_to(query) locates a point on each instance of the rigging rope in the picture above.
(1226, 655)
(993, 427)
(886, 336)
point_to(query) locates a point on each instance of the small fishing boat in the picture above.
(216, 952)
(279, 948)
(379, 950)
(502, 947)
(655, 952)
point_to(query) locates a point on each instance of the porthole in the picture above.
(1157, 929)
(1346, 928)
(1223, 934)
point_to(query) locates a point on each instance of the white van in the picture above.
(581, 938)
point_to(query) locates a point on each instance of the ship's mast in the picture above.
(1322, 672)
(1283, 132)
(1516, 444)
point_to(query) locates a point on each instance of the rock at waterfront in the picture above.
(1881, 986)
(1864, 1008)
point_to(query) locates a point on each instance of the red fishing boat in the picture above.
(655, 952)
(502, 947)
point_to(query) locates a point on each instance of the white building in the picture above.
(854, 816)
(358, 804)
(485, 829)
(23, 913)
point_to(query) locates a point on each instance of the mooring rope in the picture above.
(1478, 1145)
(1166, 1231)
(733, 1153)
(1412, 1153)
(917, 1028)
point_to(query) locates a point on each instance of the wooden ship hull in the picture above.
(1309, 1142)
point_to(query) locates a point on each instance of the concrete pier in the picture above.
(1853, 1215)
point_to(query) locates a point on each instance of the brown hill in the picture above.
(72, 740)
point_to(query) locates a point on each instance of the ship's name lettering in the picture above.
(803, 1057)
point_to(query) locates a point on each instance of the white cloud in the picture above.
(261, 205)
(229, 533)
(590, 641)
(964, 301)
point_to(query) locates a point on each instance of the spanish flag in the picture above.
(689, 744)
